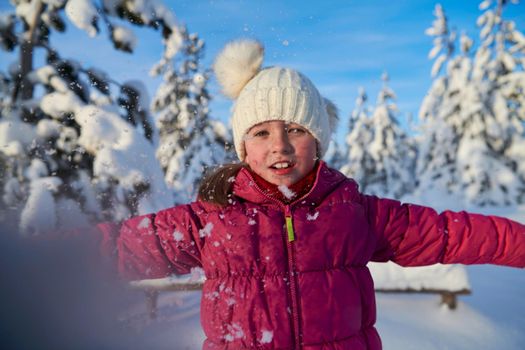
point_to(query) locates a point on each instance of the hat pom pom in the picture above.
(237, 64)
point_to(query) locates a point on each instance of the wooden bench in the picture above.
(152, 288)
(449, 298)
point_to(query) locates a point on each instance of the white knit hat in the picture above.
(273, 93)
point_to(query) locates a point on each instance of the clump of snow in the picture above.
(144, 223)
(266, 336)
(82, 13)
(126, 36)
(122, 153)
(211, 295)
(39, 214)
(206, 231)
(57, 104)
(47, 128)
(177, 236)
(234, 332)
(14, 135)
(173, 43)
(36, 169)
(287, 193)
(197, 275)
(312, 217)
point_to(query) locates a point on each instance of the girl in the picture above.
(284, 240)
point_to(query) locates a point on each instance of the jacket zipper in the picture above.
(289, 238)
(289, 234)
(292, 274)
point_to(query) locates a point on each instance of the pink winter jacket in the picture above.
(295, 276)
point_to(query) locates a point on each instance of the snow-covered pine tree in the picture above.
(357, 161)
(491, 151)
(380, 156)
(437, 139)
(391, 149)
(190, 142)
(70, 148)
(472, 129)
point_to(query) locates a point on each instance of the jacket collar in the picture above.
(326, 180)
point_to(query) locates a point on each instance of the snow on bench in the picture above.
(152, 287)
(447, 280)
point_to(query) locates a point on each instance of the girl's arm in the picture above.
(153, 245)
(413, 235)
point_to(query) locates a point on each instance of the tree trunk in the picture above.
(24, 90)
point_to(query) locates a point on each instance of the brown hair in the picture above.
(217, 186)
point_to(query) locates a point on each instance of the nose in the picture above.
(281, 142)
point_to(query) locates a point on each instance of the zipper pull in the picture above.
(289, 224)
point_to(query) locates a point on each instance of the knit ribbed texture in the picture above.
(280, 94)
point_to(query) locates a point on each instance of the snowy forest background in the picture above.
(78, 146)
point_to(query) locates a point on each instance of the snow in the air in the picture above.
(467, 152)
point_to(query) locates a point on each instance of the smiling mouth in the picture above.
(282, 165)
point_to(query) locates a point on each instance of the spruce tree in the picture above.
(438, 140)
(472, 129)
(190, 141)
(76, 145)
(358, 162)
(380, 155)
(492, 144)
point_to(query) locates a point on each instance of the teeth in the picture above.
(283, 165)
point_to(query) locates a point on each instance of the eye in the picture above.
(261, 133)
(296, 130)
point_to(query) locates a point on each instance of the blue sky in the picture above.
(340, 45)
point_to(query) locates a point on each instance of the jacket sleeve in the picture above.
(413, 235)
(153, 245)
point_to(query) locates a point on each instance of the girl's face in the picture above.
(281, 153)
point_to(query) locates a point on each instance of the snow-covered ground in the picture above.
(493, 317)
